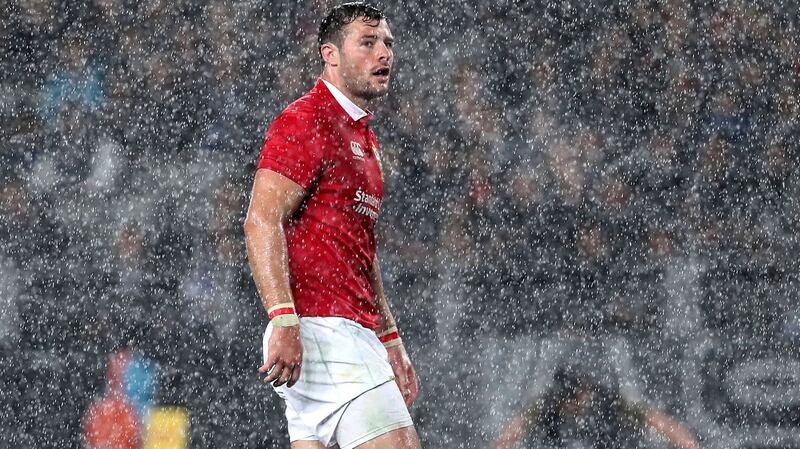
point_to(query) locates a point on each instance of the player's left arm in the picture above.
(404, 373)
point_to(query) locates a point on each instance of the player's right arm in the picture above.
(518, 427)
(513, 433)
(676, 433)
(273, 201)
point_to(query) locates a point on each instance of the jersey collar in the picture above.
(352, 109)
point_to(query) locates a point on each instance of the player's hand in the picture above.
(404, 373)
(284, 356)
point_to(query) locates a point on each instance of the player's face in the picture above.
(366, 58)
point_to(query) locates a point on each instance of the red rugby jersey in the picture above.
(330, 239)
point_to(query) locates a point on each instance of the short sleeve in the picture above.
(293, 149)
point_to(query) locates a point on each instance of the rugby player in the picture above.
(332, 350)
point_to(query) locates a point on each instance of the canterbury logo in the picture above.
(355, 147)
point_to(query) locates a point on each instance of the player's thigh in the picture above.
(402, 438)
(371, 415)
(309, 444)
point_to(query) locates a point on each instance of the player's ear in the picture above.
(330, 54)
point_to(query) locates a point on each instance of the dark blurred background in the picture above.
(615, 172)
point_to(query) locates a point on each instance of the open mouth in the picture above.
(381, 72)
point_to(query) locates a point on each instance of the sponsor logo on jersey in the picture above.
(367, 204)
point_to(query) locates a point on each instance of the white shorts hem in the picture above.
(376, 433)
(311, 439)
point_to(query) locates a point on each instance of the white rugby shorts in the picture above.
(346, 393)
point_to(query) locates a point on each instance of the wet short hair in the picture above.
(332, 26)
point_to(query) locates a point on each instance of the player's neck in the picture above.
(337, 82)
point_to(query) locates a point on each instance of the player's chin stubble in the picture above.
(366, 90)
